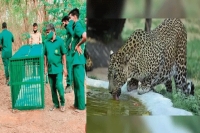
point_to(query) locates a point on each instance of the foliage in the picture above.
(136, 8)
(193, 59)
(181, 100)
(92, 77)
(57, 10)
(190, 103)
(21, 14)
(25, 36)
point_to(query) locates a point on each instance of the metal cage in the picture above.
(27, 78)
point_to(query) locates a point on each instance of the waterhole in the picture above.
(101, 103)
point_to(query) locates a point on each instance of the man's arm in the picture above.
(45, 64)
(40, 38)
(45, 59)
(63, 52)
(0, 41)
(29, 40)
(83, 39)
(64, 65)
(12, 38)
(70, 27)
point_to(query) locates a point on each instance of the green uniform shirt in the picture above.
(6, 39)
(69, 33)
(54, 51)
(77, 35)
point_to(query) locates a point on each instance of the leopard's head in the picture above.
(117, 74)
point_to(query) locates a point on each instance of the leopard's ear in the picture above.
(111, 53)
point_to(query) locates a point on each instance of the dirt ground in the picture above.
(39, 121)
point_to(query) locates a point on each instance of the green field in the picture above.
(136, 8)
(191, 103)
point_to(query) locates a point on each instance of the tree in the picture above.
(148, 15)
(54, 12)
(148, 24)
(21, 14)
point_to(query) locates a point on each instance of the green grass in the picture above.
(192, 27)
(193, 59)
(191, 8)
(180, 100)
(92, 77)
(136, 8)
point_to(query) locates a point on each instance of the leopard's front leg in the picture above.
(143, 87)
(132, 84)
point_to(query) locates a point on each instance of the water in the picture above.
(145, 124)
(101, 103)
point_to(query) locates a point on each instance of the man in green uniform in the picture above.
(6, 39)
(79, 37)
(67, 24)
(55, 64)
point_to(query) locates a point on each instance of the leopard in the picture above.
(150, 58)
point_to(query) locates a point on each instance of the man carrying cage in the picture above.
(55, 65)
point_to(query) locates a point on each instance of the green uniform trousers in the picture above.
(69, 68)
(56, 84)
(6, 63)
(79, 89)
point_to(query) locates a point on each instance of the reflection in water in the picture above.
(143, 124)
(101, 103)
(116, 124)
